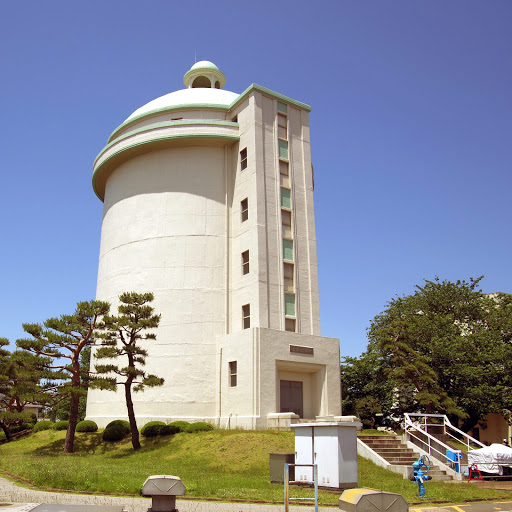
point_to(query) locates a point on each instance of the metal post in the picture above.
(315, 478)
(286, 486)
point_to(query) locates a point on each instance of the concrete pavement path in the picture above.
(23, 500)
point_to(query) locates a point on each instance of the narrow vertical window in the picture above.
(287, 223)
(282, 107)
(288, 250)
(243, 159)
(283, 149)
(282, 123)
(244, 209)
(288, 277)
(232, 374)
(289, 304)
(286, 198)
(289, 324)
(246, 316)
(245, 262)
(284, 172)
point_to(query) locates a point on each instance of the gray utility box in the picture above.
(371, 500)
(163, 489)
(332, 445)
(277, 462)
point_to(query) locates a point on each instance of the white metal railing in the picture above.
(432, 443)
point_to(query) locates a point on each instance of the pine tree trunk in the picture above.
(6, 430)
(131, 414)
(73, 420)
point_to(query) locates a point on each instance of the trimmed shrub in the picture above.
(159, 430)
(43, 425)
(122, 423)
(182, 425)
(61, 425)
(21, 428)
(116, 430)
(169, 430)
(86, 426)
(151, 425)
(199, 426)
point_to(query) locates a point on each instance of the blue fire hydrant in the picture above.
(420, 469)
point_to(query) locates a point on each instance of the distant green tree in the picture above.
(61, 341)
(450, 345)
(366, 390)
(120, 337)
(20, 376)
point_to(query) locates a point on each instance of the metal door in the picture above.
(291, 396)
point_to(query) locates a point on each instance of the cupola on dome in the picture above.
(204, 74)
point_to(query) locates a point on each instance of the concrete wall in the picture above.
(164, 231)
(264, 358)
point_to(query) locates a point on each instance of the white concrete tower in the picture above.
(208, 203)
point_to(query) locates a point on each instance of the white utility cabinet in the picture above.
(332, 445)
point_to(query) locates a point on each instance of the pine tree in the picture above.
(20, 376)
(120, 337)
(61, 341)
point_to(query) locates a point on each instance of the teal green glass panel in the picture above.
(288, 250)
(286, 199)
(289, 304)
(283, 149)
(282, 107)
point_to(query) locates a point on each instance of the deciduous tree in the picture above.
(452, 344)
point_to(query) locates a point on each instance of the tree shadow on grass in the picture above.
(93, 444)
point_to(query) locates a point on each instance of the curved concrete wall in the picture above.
(164, 230)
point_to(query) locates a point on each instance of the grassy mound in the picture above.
(217, 464)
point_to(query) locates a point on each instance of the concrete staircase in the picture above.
(397, 453)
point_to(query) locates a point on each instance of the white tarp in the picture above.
(491, 458)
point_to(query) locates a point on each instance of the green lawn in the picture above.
(223, 464)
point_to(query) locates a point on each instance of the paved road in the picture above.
(19, 499)
(505, 506)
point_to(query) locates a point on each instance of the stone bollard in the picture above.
(163, 490)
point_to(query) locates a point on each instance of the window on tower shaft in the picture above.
(246, 316)
(244, 209)
(243, 159)
(245, 262)
(232, 373)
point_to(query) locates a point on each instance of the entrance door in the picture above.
(291, 396)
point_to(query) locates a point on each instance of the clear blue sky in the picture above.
(411, 133)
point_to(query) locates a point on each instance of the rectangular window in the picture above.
(246, 316)
(286, 198)
(232, 373)
(289, 304)
(245, 262)
(282, 124)
(288, 277)
(284, 172)
(244, 209)
(235, 119)
(282, 107)
(288, 250)
(287, 224)
(283, 149)
(289, 324)
(243, 159)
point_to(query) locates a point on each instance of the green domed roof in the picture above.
(204, 64)
(204, 74)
